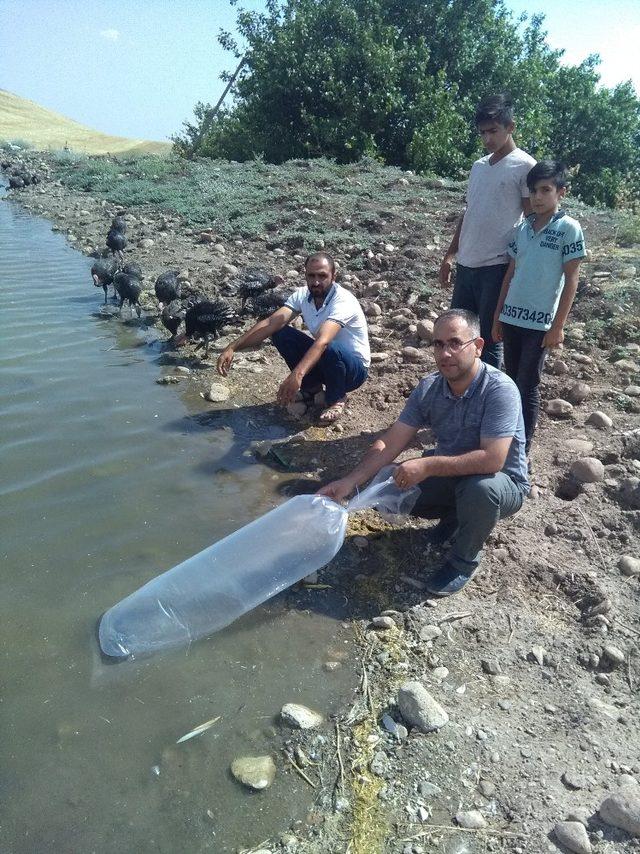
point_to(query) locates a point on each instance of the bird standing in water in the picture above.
(129, 289)
(102, 273)
(172, 316)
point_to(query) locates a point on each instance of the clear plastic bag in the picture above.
(213, 588)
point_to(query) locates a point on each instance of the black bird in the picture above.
(17, 182)
(172, 316)
(116, 241)
(254, 283)
(167, 287)
(266, 303)
(129, 290)
(102, 273)
(206, 318)
(118, 223)
(132, 268)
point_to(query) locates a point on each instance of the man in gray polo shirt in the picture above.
(477, 473)
(335, 355)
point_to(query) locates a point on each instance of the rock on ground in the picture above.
(558, 407)
(256, 772)
(218, 393)
(573, 835)
(419, 709)
(470, 819)
(629, 565)
(600, 420)
(622, 810)
(588, 470)
(300, 717)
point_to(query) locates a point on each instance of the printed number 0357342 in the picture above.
(528, 314)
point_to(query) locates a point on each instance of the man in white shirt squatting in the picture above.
(335, 355)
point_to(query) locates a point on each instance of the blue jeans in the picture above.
(477, 289)
(524, 358)
(338, 369)
(478, 502)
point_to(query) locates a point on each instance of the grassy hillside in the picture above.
(25, 120)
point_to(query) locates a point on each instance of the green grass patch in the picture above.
(312, 202)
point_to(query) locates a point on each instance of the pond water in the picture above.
(107, 480)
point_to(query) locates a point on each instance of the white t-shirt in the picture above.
(494, 208)
(341, 306)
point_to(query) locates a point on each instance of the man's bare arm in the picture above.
(444, 275)
(259, 332)
(488, 459)
(382, 452)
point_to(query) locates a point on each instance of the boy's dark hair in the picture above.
(548, 170)
(495, 108)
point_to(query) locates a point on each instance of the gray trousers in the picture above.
(477, 501)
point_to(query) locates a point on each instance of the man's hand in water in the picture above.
(338, 489)
(224, 361)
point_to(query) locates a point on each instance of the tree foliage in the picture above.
(398, 80)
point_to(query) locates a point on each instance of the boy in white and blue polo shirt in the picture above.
(539, 286)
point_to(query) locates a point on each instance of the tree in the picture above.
(398, 80)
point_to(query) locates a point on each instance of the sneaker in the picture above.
(446, 580)
(443, 531)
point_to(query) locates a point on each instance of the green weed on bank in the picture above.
(308, 202)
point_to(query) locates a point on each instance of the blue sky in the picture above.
(137, 67)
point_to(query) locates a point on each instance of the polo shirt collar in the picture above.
(558, 215)
(471, 388)
(330, 295)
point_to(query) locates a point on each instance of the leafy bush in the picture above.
(398, 81)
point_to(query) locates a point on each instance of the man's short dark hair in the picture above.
(495, 108)
(321, 256)
(472, 320)
(548, 170)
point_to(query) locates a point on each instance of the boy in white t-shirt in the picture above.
(497, 197)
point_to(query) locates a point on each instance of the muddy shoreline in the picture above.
(537, 662)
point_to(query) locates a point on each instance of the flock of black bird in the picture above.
(201, 317)
(255, 289)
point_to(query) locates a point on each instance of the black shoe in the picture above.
(448, 579)
(443, 531)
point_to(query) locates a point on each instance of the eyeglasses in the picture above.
(453, 345)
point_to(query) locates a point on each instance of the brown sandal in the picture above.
(332, 413)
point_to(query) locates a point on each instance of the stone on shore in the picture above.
(300, 717)
(218, 393)
(559, 408)
(600, 420)
(573, 835)
(622, 810)
(577, 392)
(255, 772)
(470, 819)
(424, 330)
(588, 470)
(419, 709)
(629, 565)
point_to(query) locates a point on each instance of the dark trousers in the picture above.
(477, 289)
(338, 369)
(478, 502)
(524, 358)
